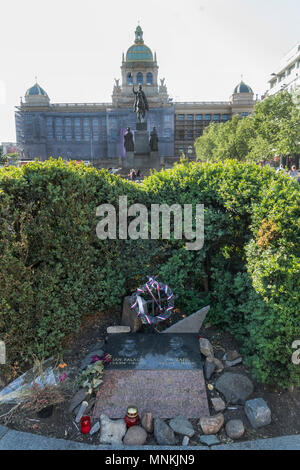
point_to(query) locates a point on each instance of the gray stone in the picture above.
(206, 348)
(232, 358)
(81, 411)
(218, 363)
(258, 412)
(190, 324)
(77, 399)
(236, 388)
(118, 329)
(218, 404)
(129, 316)
(88, 358)
(95, 428)
(112, 431)
(182, 425)
(185, 440)
(135, 436)
(147, 422)
(164, 435)
(235, 428)
(209, 368)
(209, 440)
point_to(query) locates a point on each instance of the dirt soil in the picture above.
(284, 405)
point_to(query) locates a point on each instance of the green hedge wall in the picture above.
(54, 270)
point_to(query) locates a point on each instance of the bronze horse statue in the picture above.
(140, 104)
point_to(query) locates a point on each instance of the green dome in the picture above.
(242, 88)
(36, 90)
(139, 52)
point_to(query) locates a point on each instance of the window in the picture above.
(244, 114)
(180, 117)
(139, 78)
(77, 126)
(199, 117)
(49, 126)
(95, 124)
(198, 132)
(167, 132)
(216, 117)
(167, 118)
(149, 78)
(180, 134)
(86, 129)
(68, 129)
(190, 134)
(225, 117)
(207, 117)
(190, 117)
(59, 128)
(129, 79)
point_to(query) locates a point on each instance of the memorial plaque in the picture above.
(178, 351)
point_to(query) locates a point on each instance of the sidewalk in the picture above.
(16, 440)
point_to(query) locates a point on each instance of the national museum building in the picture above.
(95, 131)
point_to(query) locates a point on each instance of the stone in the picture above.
(236, 388)
(185, 441)
(206, 348)
(81, 411)
(209, 440)
(77, 399)
(147, 422)
(164, 435)
(218, 363)
(182, 425)
(112, 431)
(190, 324)
(212, 424)
(209, 368)
(258, 412)
(135, 436)
(232, 358)
(129, 316)
(89, 357)
(95, 428)
(235, 428)
(118, 329)
(218, 404)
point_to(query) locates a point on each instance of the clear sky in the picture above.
(203, 46)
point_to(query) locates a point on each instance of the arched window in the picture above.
(139, 78)
(149, 78)
(129, 79)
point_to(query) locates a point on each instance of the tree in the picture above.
(2, 157)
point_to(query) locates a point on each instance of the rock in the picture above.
(190, 324)
(258, 412)
(135, 436)
(218, 404)
(206, 348)
(212, 424)
(185, 441)
(129, 316)
(77, 399)
(236, 388)
(95, 428)
(147, 422)
(235, 428)
(182, 425)
(209, 440)
(112, 431)
(164, 435)
(81, 411)
(209, 368)
(118, 329)
(232, 358)
(89, 357)
(218, 363)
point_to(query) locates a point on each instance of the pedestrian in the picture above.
(294, 173)
(281, 169)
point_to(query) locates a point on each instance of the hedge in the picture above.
(54, 270)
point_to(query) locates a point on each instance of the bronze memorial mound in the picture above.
(161, 374)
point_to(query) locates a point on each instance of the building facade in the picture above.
(287, 75)
(95, 131)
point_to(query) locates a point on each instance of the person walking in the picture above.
(294, 173)
(281, 169)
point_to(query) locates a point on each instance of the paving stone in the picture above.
(190, 324)
(182, 425)
(209, 440)
(164, 435)
(258, 412)
(236, 388)
(274, 443)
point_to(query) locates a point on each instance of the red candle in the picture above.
(85, 424)
(132, 417)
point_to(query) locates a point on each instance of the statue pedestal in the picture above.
(141, 142)
(128, 161)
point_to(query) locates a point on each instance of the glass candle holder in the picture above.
(85, 423)
(132, 417)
